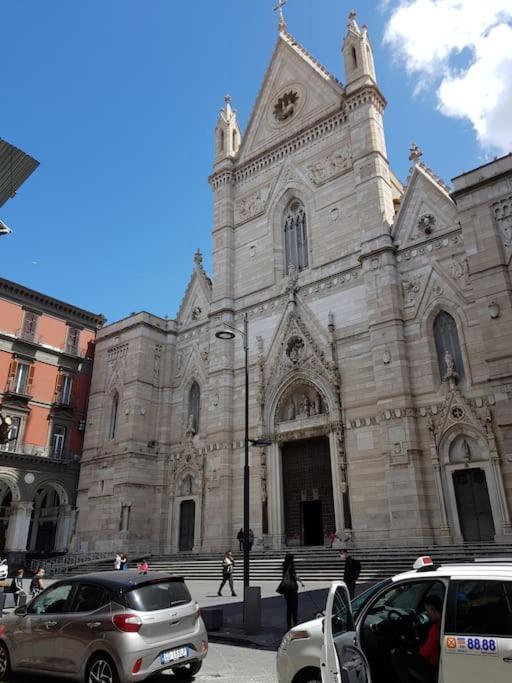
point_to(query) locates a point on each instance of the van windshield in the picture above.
(155, 596)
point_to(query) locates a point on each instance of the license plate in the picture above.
(173, 655)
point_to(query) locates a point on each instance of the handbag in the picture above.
(287, 584)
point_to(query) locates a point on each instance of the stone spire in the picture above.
(227, 133)
(358, 55)
(198, 258)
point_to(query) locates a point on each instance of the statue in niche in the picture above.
(306, 406)
(290, 412)
(191, 430)
(466, 451)
(295, 349)
(451, 373)
(317, 405)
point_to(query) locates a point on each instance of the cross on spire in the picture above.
(279, 8)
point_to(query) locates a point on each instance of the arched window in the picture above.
(295, 236)
(194, 404)
(447, 344)
(235, 140)
(221, 141)
(114, 409)
(354, 58)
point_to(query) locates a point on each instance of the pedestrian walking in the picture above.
(251, 539)
(351, 571)
(289, 589)
(124, 562)
(228, 564)
(143, 567)
(240, 539)
(17, 586)
(36, 584)
(117, 561)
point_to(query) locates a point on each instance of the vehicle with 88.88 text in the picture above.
(111, 627)
(397, 633)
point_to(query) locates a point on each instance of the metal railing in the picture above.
(62, 564)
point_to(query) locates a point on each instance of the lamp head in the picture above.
(4, 229)
(225, 334)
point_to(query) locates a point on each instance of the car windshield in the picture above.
(359, 601)
(154, 596)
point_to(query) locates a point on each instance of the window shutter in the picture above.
(12, 374)
(30, 378)
(59, 384)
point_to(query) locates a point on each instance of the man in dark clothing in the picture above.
(240, 539)
(251, 538)
(351, 572)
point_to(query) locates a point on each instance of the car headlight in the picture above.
(292, 635)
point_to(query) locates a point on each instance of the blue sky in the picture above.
(118, 100)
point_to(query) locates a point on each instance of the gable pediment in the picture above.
(196, 302)
(296, 92)
(425, 205)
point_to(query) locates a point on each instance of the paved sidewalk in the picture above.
(273, 611)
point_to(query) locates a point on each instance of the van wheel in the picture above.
(5, 662)
(187, 671)
(308, 676)
(101, 669)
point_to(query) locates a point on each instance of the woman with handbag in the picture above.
(227, 572)
(289, 589)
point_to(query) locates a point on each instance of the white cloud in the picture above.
(428, 35)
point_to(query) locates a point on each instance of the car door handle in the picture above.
(93, 624)
(508, 660)
(50, 624)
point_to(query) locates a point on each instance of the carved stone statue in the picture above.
(466, 451)
(317, 406)
(191, 430)
(450, 373)
(290, 413)
(306, 405)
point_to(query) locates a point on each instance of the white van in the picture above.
(475, 628)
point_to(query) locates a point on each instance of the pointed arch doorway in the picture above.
(187, 525)
(473, 504)
(307, 491)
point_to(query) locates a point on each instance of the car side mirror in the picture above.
(21, 611)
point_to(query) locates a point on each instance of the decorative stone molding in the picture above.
(251, 205)
(281, 152)
(502, 212)
(331, 166)
(411, 290)
(427, 248)
(367, 95)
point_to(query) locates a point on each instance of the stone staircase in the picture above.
(315, 563)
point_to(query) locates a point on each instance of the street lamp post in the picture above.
(252, 595)
(230, 334)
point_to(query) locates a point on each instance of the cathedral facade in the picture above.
(379, 324)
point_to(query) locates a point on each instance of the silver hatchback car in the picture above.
(109, 627)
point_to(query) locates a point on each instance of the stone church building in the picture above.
(379, 334)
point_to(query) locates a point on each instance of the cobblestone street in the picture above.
(224, 663)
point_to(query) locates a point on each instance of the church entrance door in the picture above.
(307, 491)
(473, 505)
(187, 524)
(312, 524)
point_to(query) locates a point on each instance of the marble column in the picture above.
(65, 523)
(17, 531)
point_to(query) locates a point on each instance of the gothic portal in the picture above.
(379, 326)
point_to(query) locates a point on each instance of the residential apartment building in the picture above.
(46, 356)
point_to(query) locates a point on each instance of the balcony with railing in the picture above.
(43, 452)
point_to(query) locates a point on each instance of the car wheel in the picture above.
(187, 671)
(308, 676)
(101, 669)
(5, 662)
